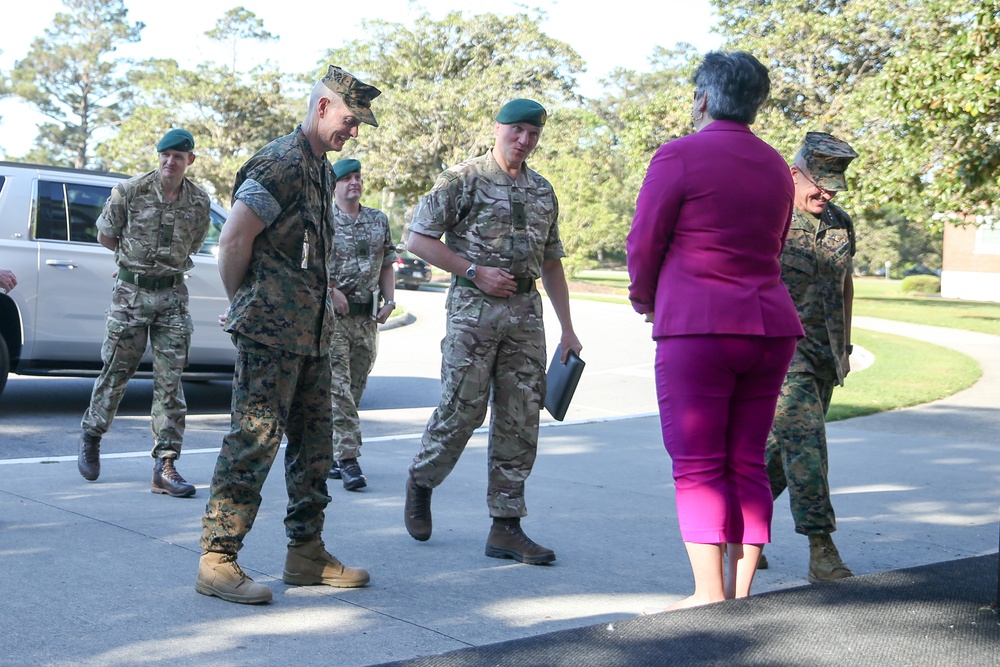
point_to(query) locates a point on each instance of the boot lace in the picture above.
(91, 451)
(170, 472)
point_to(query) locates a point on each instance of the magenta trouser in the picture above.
(717, 396)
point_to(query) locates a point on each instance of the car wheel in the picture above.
(4, 364)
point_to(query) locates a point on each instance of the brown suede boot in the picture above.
(417, 511)
(308, 564)
(221, 576)
(168, 481)
(88, 461)
(824, 560)
(507, 540)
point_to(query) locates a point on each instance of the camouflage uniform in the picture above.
(282, 323)
(156, 239)
(815, 261)
(493, 346)
(361, 248)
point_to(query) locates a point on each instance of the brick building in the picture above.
(971, 261)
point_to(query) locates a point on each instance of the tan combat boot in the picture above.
(824, 560)
(221, 576)
(308, 564)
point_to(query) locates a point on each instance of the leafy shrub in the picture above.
(921, 284)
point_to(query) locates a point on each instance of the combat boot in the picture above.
(824, 560)
(417, 511)
(88, 461)
(220, 575)
(168, 481)
(351, 473)
(507, 540)
(308, 564)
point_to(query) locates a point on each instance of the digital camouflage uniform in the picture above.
(156, 239)
(282, 323)
(361, 248)
(493, 346)
(815, 261)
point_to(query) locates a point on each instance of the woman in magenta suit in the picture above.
(710, 223)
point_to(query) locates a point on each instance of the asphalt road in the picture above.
(40, 417)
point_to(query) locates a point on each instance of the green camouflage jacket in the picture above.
(156, 237)
(491, 220)
(814, 263)
(360, 249)
(284, 301)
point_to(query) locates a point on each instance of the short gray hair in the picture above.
(736, 84)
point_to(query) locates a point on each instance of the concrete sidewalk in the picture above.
(103, 573)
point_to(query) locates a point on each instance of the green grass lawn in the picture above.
(906, 372)
(877, 297)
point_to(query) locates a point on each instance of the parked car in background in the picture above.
(411, 271)
(53, 322)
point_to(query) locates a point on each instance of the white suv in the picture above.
(52, 323)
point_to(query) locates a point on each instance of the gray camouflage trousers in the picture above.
(352, 357)
(493, 353)
(796, 454)
(275, 393)
(136, 316)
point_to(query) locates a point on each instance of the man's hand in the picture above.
(340, 305)
(384, 312)
(569, 342)
(494, 281)
(7, 280)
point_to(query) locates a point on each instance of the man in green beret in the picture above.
(275, 257)
(816, 266)
(154, 223)
(499, 220)
(363, 289)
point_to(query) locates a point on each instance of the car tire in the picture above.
(4, 364)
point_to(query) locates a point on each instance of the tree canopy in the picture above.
(69, 77)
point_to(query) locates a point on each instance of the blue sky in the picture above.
(606, 35)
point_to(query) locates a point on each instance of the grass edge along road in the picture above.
(906, 372)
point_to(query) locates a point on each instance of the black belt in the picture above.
(524, 285)
(144, 282)
(359, 309)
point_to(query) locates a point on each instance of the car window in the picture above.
(69, 211)
(211, 245)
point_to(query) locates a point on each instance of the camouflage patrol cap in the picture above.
(522, 111)
(344, 167)
(357, 94)
(826, 158)
(177, 139)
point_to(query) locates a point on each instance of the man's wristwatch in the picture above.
(390, 303)
(472, 272)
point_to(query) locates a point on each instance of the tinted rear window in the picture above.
(69, 211)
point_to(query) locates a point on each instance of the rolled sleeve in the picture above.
(260, 200)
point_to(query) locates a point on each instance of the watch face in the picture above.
(470, 273)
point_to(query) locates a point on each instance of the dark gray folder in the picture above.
(561, 382)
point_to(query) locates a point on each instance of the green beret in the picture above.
(357, 94)
(177, 139)
(522, 111)
(826, 158)
(344, 167)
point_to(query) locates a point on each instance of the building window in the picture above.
(987, 240)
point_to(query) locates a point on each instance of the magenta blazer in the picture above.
(710, 223)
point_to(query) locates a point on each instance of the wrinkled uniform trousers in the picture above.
(275, 393)
(355, 344)
(136, 316)
(797, 453)
(493, 352)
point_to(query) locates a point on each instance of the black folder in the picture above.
(561, 382)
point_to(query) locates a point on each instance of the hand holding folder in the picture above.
(561, 382)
